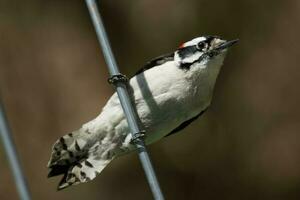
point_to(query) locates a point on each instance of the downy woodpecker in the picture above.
(169, 92)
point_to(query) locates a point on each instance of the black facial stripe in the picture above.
(186, 51)
(187, 66)
(209, 39)
(206, 44)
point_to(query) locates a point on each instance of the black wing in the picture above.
(156, 61)
(185, 124)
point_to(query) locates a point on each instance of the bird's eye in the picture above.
(200, 45)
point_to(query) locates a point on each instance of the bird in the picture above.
(168, 94)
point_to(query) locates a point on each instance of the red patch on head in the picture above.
(181, 45)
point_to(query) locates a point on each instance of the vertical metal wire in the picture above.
(130, 114)
(12, 156)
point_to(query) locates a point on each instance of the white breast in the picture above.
(165, 97)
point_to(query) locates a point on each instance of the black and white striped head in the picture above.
(202, 50)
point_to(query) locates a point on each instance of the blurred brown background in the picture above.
(247, 146)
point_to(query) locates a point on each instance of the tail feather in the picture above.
(77, 160)
(83, 171)
(66, 150)
(57, 170)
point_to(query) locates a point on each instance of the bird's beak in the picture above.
(227, 44)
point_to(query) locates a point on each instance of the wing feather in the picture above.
(156, 61)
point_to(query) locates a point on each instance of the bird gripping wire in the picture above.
(120, 81)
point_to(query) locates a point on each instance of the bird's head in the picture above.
(202, 50)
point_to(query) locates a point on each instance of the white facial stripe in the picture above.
(194, 41)
(192, 58)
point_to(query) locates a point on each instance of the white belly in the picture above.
(164, 99)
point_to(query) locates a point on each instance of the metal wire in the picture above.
(12, 156)
(122, 92)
